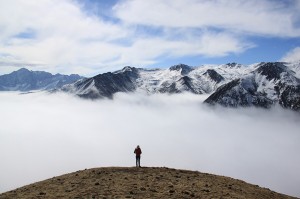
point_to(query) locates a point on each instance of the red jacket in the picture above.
(138, 151)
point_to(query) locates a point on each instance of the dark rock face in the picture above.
(185, 69)
(233, 64)
(272, 70)
(289, 96)
(25, 80)
(188, 84)
(109, 83)
(234, 94)
(214, 75)
(217, 96)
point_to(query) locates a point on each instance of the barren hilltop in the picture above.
(146, 182)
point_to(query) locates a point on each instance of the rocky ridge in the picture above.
(120, 182)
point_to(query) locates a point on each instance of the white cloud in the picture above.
(54, 18)
(58, 33)
(146, 50)
(47, 135)
(60, 36)
(292, 56)
(254, 16)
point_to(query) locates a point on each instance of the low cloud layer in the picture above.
(222, 14)
(46, 135)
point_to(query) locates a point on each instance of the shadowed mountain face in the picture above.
(141, 183)
(105, 85)
(231, 85)
(289, 96)
(266, 85)
(214, 75)
(233, 94)
(182, 68)
(25, 80)
(272, 70)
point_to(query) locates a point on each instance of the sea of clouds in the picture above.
(44, 135)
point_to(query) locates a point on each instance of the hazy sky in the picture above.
(44, 135)
(94, 36)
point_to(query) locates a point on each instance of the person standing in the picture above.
(138, 153)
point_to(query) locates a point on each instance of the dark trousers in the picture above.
(138, 161)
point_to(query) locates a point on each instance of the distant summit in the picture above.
(182, 68)
(233, 64)
(26, 80)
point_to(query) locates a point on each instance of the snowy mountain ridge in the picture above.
(261, 84)
(265, 85)
(176, 79)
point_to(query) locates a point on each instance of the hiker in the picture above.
(138, 153)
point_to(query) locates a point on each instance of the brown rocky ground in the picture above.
(121, 182)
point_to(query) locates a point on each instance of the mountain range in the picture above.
(26, 80)
(262, 85)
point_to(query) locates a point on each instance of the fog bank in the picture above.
(45, 135)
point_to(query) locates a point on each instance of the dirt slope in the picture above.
(118, 182)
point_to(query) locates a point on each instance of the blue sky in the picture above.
(95, 36)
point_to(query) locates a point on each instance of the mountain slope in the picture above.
(141, 183)
(25, 80)
(105, 85)
(177, 79)
(266, 85)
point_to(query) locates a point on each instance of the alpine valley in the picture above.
(231, 85)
